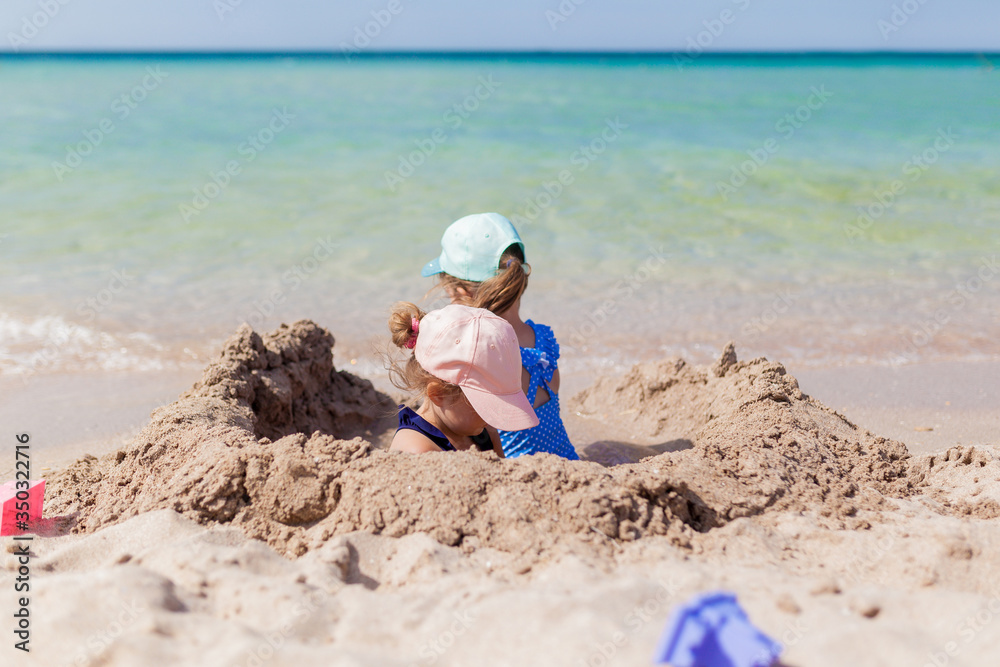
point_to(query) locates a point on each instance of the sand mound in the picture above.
(964, 481)
(440, 557)
(209, 454)
(756, 441)
(756, 444)
(285, 383)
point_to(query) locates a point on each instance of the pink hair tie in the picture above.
(415, 326)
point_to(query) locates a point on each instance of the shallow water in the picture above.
(144, 252)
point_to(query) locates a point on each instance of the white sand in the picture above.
(914, 579)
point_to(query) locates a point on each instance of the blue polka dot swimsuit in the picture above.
(550, 434)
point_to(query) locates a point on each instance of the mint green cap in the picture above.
(472, 246)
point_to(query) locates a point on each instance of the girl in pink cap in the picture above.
(466, 365)
(482, 264)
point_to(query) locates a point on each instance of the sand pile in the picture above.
(441, 558)
(285, 383)
(209, 454)
(266, 441)
(964, 481)
(756, 441)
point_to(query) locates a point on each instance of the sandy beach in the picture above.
(254, 517)
(223, 496)
(751, 247)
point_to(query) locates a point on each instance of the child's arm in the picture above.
(495, 438)
(408, 440)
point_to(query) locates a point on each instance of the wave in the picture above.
(50, 343)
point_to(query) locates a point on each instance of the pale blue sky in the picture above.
(613, 25)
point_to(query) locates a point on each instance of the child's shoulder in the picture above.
(412, 441)
(545, 339)
(415, 434)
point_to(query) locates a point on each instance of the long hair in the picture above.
(496, 294)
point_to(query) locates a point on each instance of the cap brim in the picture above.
(507, 412)
(431, 268)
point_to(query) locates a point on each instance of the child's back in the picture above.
(540, 361)
(482, 264)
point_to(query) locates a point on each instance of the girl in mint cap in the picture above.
(482, 264)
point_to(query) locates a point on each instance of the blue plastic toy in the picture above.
(712, 630)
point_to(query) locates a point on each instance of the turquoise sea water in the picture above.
(715, 201)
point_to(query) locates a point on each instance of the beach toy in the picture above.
(9, 501)
(712, 630)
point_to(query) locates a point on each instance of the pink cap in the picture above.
(478, 351)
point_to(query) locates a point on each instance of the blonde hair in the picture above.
(410, 375)
(496, 294)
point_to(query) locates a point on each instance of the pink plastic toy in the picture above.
(8, 498)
